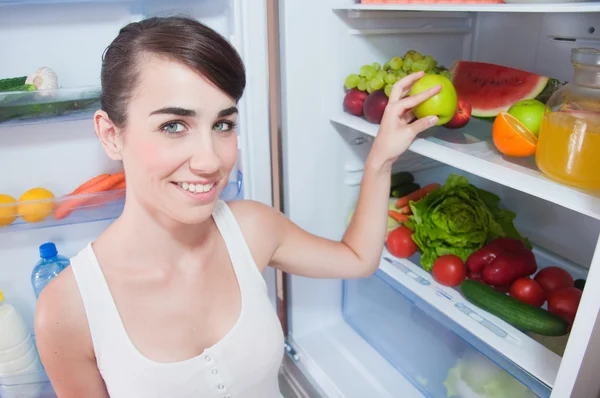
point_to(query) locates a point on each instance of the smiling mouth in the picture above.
(195, 188)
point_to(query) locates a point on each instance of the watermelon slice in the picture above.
(492, 89)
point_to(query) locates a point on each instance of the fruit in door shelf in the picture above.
(565, 302)
(449, 270)
(400, 244)
(374, 106)
(354, 101)
(528, 291)
(36, 204)
(513, 138)
(461, 116)
(529, 112)
(553, 278)
(491, 89)
(442, 105)
(8, 210)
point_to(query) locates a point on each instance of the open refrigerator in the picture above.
(397, 333)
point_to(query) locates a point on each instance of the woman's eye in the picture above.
(173, 128)
(224, 126)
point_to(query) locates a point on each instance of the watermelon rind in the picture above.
(481, 108)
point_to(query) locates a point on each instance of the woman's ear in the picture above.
(109, 135)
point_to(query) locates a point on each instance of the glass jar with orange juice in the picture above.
(568, 149)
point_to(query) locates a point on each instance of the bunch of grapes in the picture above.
(375, 77)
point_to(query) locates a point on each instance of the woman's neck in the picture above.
(143, 234)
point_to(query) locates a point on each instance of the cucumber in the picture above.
(404, 190)
(401, 178)
(22, 87)
(8, 84)
(521, 315)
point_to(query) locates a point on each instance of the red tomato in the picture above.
(552, 278)
(528, 291)
(400, 244)
(449, 270)
(564, 302)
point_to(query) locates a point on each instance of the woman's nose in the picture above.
(204, 159)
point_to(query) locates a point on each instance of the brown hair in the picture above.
(178, 38)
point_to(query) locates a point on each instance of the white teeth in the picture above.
(196, 187)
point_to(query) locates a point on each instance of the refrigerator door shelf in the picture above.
(86, 208)
(42, 106)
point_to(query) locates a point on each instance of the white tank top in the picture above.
(243, 364)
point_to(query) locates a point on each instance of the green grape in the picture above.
(431, 63)
(400, 74)
(419, 66)
(367, 71)
(376, 65)
(396, 63)
(388, 89)
(376, 83)
(430, 72)
(386, 66)
(407, 66)
(446, 73)
(351, 81)
(381, 74)
(390, 78)
(417, 56)
(369, 88)
(362, 84)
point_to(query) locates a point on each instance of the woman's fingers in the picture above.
(407, 117)
(423, 124)
(412, 101)
(401, 87)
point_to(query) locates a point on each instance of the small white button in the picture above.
(215, 371)
(221, 386)
(207, 358)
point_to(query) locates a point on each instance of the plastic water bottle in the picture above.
(49, 266)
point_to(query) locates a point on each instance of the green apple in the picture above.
(442, 105)
(530, 112)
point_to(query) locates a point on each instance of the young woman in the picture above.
(169, 301)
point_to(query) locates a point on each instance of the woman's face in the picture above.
(180, 143)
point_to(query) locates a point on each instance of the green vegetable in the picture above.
(521, 315)
(23, 87)
(458, 218)
(580, 284)
(476, 376)
(401, 178)
(8, 84)
(404, 190)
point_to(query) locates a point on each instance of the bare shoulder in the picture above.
(60, 315)
(260, 225)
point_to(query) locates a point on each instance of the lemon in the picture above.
(8, 210)
(36, 204)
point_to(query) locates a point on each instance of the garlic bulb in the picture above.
(43, 78)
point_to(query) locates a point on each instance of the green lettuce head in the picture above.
(457, 218)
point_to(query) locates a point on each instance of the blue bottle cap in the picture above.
(48, 250)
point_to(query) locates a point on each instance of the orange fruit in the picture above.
(513, 138)
(8, 210)
(36, 204)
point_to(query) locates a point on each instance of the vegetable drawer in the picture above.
(437, 355)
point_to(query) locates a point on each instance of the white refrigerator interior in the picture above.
(397, 333)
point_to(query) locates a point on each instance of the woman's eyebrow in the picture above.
(174, 110)
(229, 111)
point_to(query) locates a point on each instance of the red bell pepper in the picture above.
(502, 261)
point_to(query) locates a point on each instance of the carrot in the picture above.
(416, 195)
(89, 183)
(66, 207)
(121, 185)
(397, 216)
(406, 210)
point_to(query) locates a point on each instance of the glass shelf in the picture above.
(61, 104)
(89, 208)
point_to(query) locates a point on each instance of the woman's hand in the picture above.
(397, 129)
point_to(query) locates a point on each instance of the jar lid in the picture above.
(585, 56)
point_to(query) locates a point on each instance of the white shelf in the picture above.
(471, 149)
(538, 7)
(513, 344)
